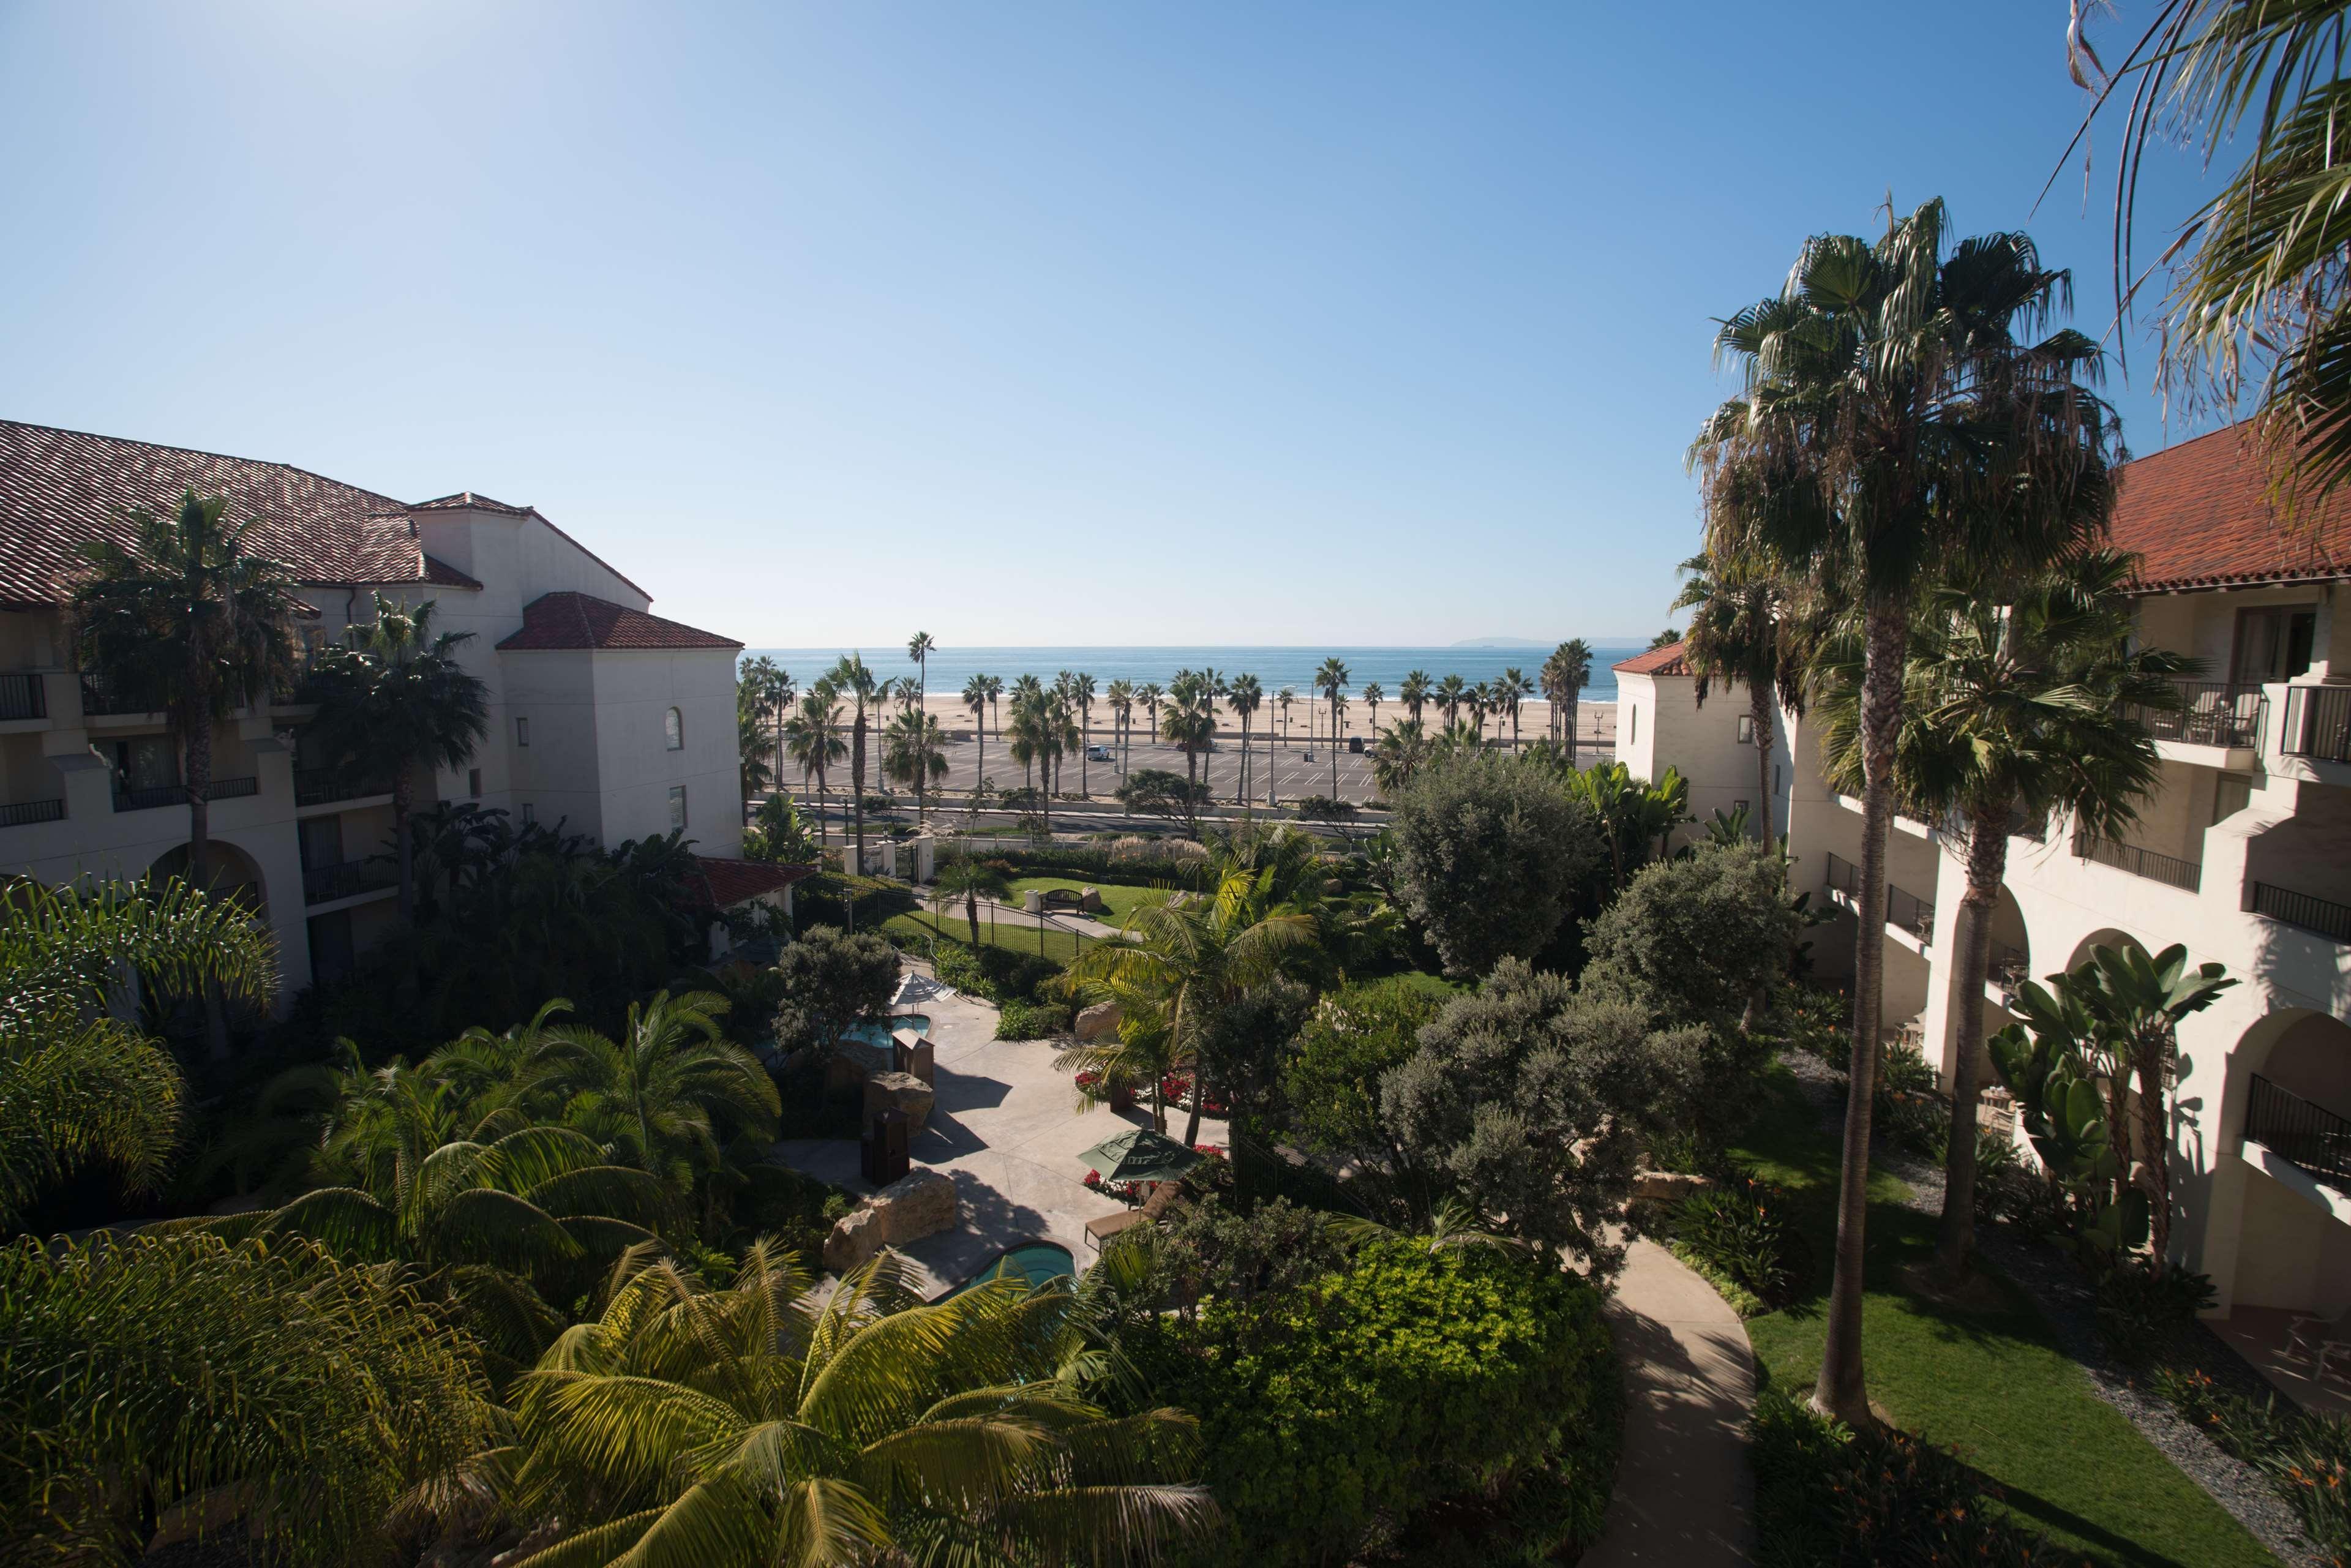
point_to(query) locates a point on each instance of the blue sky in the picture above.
(1023, 323)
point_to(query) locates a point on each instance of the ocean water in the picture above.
(1274, 667)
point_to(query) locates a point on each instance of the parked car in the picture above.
(1098, 754)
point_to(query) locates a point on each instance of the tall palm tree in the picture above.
(773, 1422)
(853, 679)
(1373, 695)
(1402, 751)
(1481, 703)
(1331, 680)
(1567, 672)
(1246, 695)
(2023, 710)
(78, 1086)
(398, 700)
(1189, 722)
(1287, 696)
(1451, 694)
(1513, 689)
(919, 648)
(1150, 696)
(772, 692)
(1898, 415)
(978, 693)
(1415, 693)
(1740, 634)
(753, 771)
(812, 738)
(1120, 695)
(967, 879)
(186, 621)
(910, 753)
(1082, 692)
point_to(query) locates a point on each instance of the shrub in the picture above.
(1159, 792)
(1829, 1498)
(818, 901)
(1737, 1233)
(830, 981)
(1697, 940)
(1415, 1378)
(1323, 809)
(1330, 1077)
(2307, 1457)
(1489, 856)
(2141, 1314)
(1033, 1021)
(1234, 1256)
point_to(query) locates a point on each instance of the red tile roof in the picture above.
(61, 487)
(1664, 661)
(466, 500)
(2197, 517)
(730, 881)
(574, 621)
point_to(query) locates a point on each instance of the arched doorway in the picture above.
(2106, 937)
(228, 873)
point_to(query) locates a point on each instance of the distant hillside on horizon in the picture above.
(1499, 642)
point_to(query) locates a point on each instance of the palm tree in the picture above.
(1150, 697)
(812, 738)
(79, 1085)
(1120, 695)
(1740, 634)
(1189, 722)
(768, 1423)
(919, 648)
(1481, 703)
(395, 701)
(1402, 751)
(1895, 419)
(1664, 639)
(752, 770)
(1331, 680)
(1287, 696)
(910, 753)
(1450, 694)
(2026, 710)
(665, 1094)
(1246, 695)
(967, 880)
(1373, 695)
(1082, 692)
(851, 678)
(979, 693)
(1415, 693)
(1513, 689)
(1175, 963)
(1566, 672)
(772, 692)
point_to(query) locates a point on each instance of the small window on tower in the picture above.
(676, 805)
(522, 732)
(474, 783)
(529, 813)
(1746, 729)
(673, 729)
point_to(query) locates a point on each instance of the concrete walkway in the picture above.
(1684, 1495)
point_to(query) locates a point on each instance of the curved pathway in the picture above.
(1685, 1494)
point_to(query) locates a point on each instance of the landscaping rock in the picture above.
(1089, 902)
(920, 1203)
(1668, 1187)
(899, 1091)
(1098, 1021)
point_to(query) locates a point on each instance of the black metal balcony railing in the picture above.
(2310, 1135)
(99, 697)
(2312, 914)
(2170, 870)
(2212, 713)
(23, 695)
(177, 794)
(2009, 967)
(321, 883)
(317, 786)
(24, 813)
(2317, 722)
(1907, 910)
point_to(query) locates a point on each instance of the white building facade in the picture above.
(2244, 855)
(611, 720)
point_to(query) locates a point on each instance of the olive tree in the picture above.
(829, 982)
(1489, 855)
(1695, 940)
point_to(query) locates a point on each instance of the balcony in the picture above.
(22, 696)
(177, 794)
(2317, 722)
(2306, 1135)
(1907, 910)
(2324, 917)
(322, 786)
(2007, 968)
(2169, 870)
(100, 700)
(2212, 713)
(347, 879)
(24, 813)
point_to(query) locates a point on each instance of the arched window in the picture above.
(673, 729)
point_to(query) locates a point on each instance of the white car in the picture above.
(1098, 754)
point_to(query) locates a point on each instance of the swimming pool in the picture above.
(1040, 1260)
(879, 1034)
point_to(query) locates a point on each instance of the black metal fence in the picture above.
(345, 879)
(177, 794)
(2212, 713)
(2317, 722)
(2310, 1135)
(1907, 910)
(22, 696)
(99, 697)
(2312, 914)
(25, 812)
(317, 786)
(2170, 870)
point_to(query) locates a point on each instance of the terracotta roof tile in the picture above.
(1664, 661)
(2197, 517)
(61, 487)
(574, 621)
(730, 881)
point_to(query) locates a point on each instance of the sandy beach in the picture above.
(1595, 721)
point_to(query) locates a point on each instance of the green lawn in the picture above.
(1991, 1385)
(1017, 937)
(1116, 898)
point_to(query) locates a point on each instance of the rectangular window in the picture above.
(676, 806)
(320, 840)
(1775, 779)
(1746, 729)
(522, 732)
(529, 813)
(2275, 643)
(1632, 725)
(474, 783)
(2231, 795)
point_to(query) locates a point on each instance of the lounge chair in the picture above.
(1163, 1197)
(2320, 1340)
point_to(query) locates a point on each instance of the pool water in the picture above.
(1040, 1260)
(878, 1034)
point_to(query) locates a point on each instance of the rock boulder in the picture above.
(1668, 1186)
(920, 1203)
(1098, 1021)
(899, 1091)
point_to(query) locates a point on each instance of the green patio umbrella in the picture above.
(1140, 1155)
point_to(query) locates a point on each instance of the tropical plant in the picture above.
(912, 755)
(666, 1095)
(1565, 675)
(851, 678)
(812, 738)
(1740, 635)
(1287, 696)
(777, 835)
(397, 700)
(1897, 418)
(79, 1085)
(1451, 694)
(978, 694)
(1245, 697)
(1511, 690)
(1401, 751)
(753, 771)
(1082, 698)
(1190, 723)
(2013, 713)
(832, 979)
(1664, 639)
(766, 688)
(1637, 816)
(1331, 680)
(967, 879)
(1120, 696)
(1414, 693)
(1490, 854)
(1150, 697)
(768, 1423)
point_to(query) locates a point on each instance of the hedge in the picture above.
(1468, 1402)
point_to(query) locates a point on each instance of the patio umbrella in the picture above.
(1140, 1155)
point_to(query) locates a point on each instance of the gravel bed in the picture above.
(2067, 1300)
